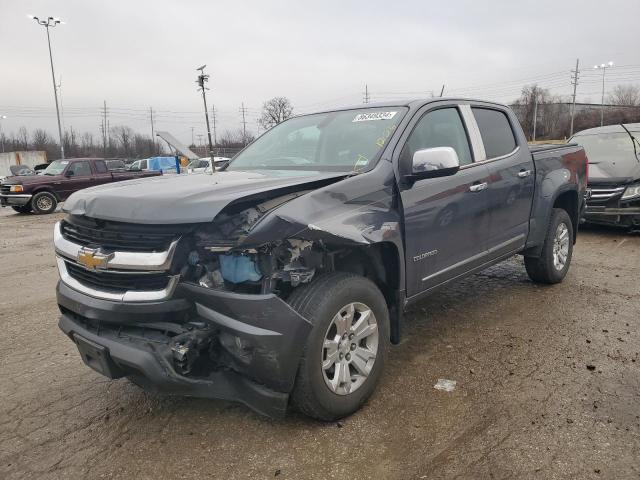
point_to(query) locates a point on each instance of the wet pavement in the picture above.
(547, 386)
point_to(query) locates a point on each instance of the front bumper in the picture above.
(17, 200)
(245, 348)
(627, 216)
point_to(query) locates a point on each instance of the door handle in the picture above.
(524, 173)
(478, 187)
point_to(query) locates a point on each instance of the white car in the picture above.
(204, 164)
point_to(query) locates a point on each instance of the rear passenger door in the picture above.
(511, 180)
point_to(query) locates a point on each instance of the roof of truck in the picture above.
(412, 103)
(633, 127)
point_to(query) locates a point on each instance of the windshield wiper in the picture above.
(634, 141)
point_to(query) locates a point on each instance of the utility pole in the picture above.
(2, 117)
(153, 134)
(105, 128)
(574, 82)
(244, 124)
(202, 79)
(366, 97)
(199, 135)
(213, 114)
(603, 67)
(51, 22)
(192, 142)
(59, 86)
(535, 115)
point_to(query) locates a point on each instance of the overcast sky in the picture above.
(143, 53)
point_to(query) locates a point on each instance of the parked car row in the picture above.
(42, 193)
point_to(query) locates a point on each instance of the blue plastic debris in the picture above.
(238, 269)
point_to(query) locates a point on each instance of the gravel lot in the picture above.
(548, 386)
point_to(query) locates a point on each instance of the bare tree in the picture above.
(274, 111)
(123, 136)
(23, 138)
(234, 139)
(627, 95)
(526, 105)
(86, 141)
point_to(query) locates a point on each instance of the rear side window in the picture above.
(496, 132)
(101, 167)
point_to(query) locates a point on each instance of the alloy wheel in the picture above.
(350, 348)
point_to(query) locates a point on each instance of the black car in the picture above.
(614, 174)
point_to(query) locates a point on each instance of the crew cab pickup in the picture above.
(41, 193)
(282, 279)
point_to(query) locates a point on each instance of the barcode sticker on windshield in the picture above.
(365, 117)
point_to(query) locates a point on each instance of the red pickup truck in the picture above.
(41, 193)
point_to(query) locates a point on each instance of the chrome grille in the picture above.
(603, 194)
(121, 237)
(118, 282)
(5, 189)
(135, 276)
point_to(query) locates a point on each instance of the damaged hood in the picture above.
(176, 199)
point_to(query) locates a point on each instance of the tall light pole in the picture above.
(2, 117)
(603, 67)
(51, 22)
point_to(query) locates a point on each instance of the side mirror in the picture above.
(434, 162)
(69, 173)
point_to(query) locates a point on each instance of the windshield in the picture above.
(344, 141)
(607, 147)
(56, 167)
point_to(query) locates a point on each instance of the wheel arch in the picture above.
(381, 263)
(569, 202)
(48, 190)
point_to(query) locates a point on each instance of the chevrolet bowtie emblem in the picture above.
(93, 259)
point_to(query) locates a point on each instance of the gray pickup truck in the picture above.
(282, 279)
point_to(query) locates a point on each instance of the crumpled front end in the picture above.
(201, 309)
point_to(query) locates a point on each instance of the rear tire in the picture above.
(24, 209)
(553, 263)
(44, 203)
(344, 354)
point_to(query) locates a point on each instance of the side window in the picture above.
(143, 164)
(495, 131)
(101, 167)
(80, 169)
(438, 128)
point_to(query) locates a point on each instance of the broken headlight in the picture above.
(632, 191)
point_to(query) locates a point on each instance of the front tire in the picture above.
(344, 355)
(44, 203)
(553, 263)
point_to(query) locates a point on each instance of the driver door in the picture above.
(77, 176)
(446, 218)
